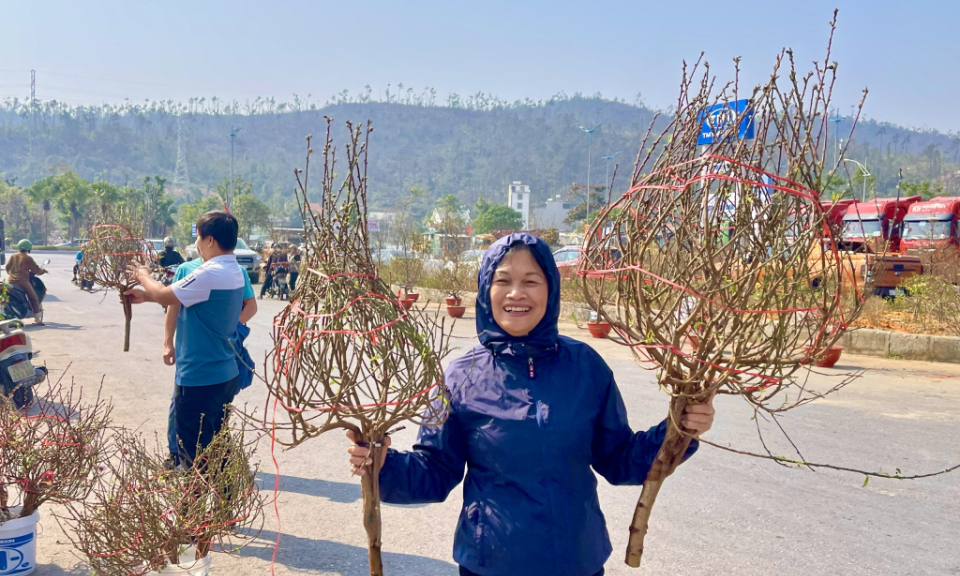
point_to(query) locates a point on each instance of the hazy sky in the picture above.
(907, 53)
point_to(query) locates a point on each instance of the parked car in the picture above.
(567, 259)
(246, 258)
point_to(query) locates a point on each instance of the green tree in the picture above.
(189, 214)
(498, 217)
(228, 194)
(251, 213)
(21, 219)
(924, 189)
(157, 207)
(42, 193)
(579, 192)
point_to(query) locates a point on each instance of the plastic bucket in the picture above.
(18, 545)
(188, 566)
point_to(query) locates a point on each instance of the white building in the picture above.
(553, 213)
(518, 198)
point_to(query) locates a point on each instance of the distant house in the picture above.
(553, 213)
(518, 198)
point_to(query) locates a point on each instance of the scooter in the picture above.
(18, 305)
(18, 375)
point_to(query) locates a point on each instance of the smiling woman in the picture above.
(518, 295)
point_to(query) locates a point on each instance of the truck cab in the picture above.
(872, 232)
(931, 228)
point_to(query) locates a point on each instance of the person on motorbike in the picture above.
(19, 268)
(169, 256)
(76, 266)
(277, 255)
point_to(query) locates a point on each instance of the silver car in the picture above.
(246, 258)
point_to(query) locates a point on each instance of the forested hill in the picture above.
(467, 151)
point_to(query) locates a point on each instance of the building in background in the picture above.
(518, 198)
(553, 213)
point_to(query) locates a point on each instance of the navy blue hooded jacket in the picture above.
(530, 497)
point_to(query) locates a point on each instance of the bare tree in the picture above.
(727, 249)
(346, 353)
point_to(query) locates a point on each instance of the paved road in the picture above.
(719, 514)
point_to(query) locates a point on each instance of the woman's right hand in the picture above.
(360, 455)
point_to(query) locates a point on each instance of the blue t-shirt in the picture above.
(80, 256)
(187, 268)
(211, 298)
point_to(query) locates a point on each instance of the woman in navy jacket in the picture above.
(531, 412)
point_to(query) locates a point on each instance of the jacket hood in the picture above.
(491, 335)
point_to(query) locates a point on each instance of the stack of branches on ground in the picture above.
(346, 353)
(726, 249)
(50, 453)
(115, 246)
(141, 516)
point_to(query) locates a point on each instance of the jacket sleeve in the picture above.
(620, 455)
(33, 267)
(428, 472)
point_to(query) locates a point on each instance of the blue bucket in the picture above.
(18, 545)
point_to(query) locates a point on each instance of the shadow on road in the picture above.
(52, 570)
(325, 556)
(51, 326)
(332, 491)
(51, 298)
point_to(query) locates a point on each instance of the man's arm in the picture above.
(248, 311)
(169, 331)
(153, 291)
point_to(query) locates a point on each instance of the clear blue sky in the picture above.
(907, 53)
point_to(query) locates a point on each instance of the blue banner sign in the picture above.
(715, 119)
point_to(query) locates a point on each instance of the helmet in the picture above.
(25, 245)
(168, 242)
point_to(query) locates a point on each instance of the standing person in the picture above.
(532, 415)
(293, 261)
(248, 311)
(277, 255)
(169, 256)
(19, 268)
(78, 262)
(210, 300)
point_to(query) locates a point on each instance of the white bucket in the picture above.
(188, 566)
(18, 545)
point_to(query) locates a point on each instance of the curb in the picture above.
(868, 342)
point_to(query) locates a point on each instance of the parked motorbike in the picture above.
(18, 305)
(18, 375)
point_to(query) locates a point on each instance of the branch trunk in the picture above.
(668, 458)
(127, 316)
(370, 485)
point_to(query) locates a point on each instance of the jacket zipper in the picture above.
(530, 364)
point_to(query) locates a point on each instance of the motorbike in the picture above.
(18, 305)
(18, 375)
(165, 276)
(279, 287)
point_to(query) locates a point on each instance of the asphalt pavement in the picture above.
(719, 514)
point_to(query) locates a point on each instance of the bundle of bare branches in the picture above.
(142, 517)
(726, 249)
(52, 452)
(115, 244)
(346, 353)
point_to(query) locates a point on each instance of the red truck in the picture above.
(872, 231)
(931, 229)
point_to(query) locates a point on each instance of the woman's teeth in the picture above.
(517, 309)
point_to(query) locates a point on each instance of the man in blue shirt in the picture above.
(210, 300)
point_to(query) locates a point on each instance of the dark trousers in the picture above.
(293, 280)
(199, 412)
(267, 282)
(465, 572)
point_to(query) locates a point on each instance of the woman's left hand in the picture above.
(698, 418)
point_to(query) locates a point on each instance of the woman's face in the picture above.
(519, 293)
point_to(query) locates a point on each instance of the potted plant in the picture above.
(49, 454)
(142, 518)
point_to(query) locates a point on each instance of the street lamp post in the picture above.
(608, 158)
(589, 132)
(866, 174)
(233, 135)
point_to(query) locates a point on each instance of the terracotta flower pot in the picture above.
(830, 357)
(599, 329)
(453, 301)
(456, 311)
(406, 303)
(412, 296)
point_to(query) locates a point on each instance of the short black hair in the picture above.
(222, 226)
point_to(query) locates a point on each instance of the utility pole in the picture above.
(233, 135)
(589, 133)
(33, 97)
(836, 136)
(608, 158)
